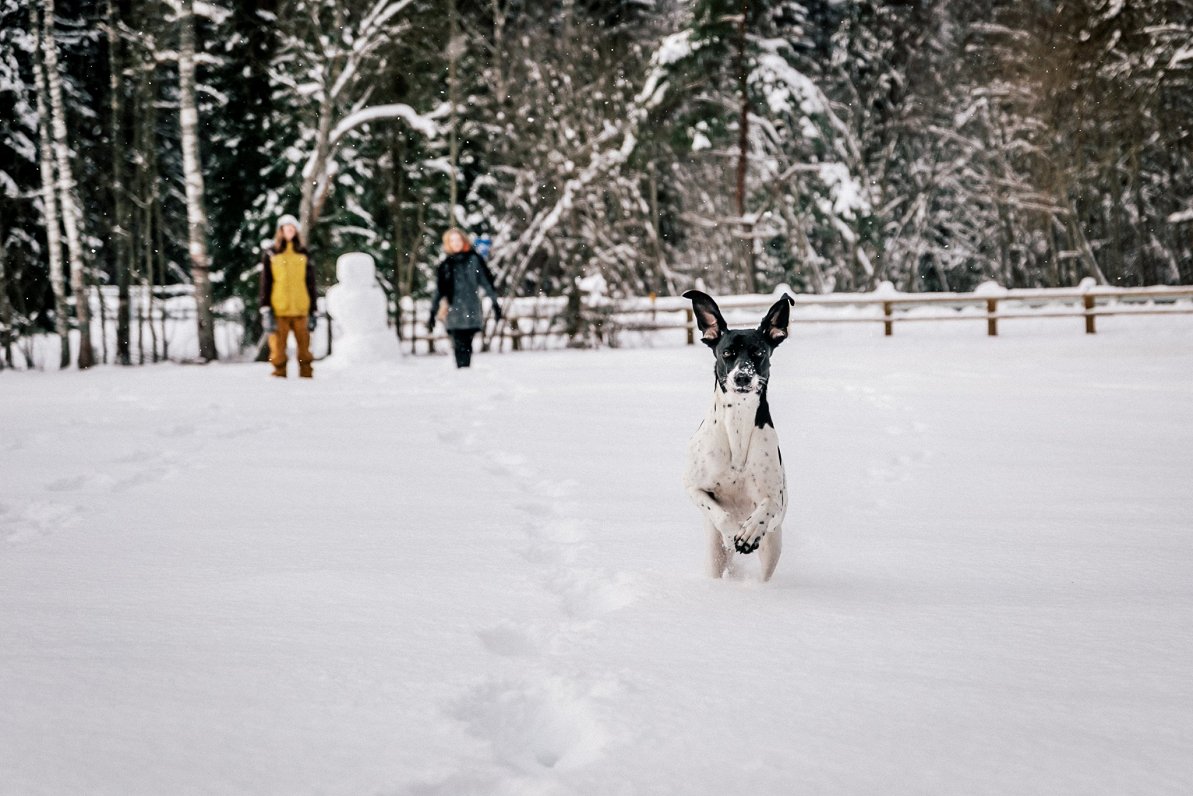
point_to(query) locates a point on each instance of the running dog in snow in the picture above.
(735, 471)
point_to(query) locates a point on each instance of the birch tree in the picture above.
(5, 307)
(49, 203)
(67, 199)
(196, 213)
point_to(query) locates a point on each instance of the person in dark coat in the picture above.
(457, 303)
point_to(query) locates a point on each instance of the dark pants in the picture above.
(462, 343)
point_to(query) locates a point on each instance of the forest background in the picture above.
(825, 144)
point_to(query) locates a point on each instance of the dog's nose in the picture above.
(743, 379)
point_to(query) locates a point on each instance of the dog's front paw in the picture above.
(746, 543)
(749, 536)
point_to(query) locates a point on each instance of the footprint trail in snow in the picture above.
(535, 711)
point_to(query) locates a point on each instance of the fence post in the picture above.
(690, 326)
(1088, 300)
(515, 335)
(991, 317)
(413, 327)
(165, 340)
(888, 323)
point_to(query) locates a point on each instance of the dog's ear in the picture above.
(774, 325)
(708, 317)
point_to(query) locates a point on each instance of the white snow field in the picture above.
(405, 579)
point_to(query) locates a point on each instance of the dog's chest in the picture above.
(730, 455)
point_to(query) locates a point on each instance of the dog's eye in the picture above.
(728, 354)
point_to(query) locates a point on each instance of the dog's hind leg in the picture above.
(768, 552)
(718, 553)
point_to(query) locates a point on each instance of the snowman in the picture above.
(359, 310)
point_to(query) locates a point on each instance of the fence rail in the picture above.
(167, 332)
(540, 322)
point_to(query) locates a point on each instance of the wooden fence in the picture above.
(552, 322)
(555, 322)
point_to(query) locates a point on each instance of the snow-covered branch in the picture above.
(423, 123)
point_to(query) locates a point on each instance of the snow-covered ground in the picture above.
(413, 580)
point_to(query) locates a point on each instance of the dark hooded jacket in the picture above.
(458, 279)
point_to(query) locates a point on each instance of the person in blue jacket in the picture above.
(457, 304)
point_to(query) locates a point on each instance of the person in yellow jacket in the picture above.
(287, 297)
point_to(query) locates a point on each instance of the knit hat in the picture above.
(291, 220)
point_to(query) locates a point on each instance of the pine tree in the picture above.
(21, 286)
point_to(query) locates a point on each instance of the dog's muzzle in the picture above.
(743, 381)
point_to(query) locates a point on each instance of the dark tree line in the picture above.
(823, 144)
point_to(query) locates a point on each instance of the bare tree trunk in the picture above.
(103, 324)
(141, 330)
(655, 232)
(25, 344)
(1048, 232)
(500, 88)
(455, 47)
(147, 253)
(315, 180)
(71, 216)
(160, 256)
(805, 255)
(1002, 201)
(5, 307)
(1081, 243)
(196, 213)
(50, 204)
(146, 180)
(412, 255)
(1116, 257)
(144, 257)
(743, 155)
(397, 195)
(307, 216)
(120, 230)
(1146, 273)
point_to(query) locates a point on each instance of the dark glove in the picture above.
(431, 326)
(268, 322)
(312, 321)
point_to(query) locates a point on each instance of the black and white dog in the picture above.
(735, 471)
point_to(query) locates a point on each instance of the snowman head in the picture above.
(356, 270)
(356, 303)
